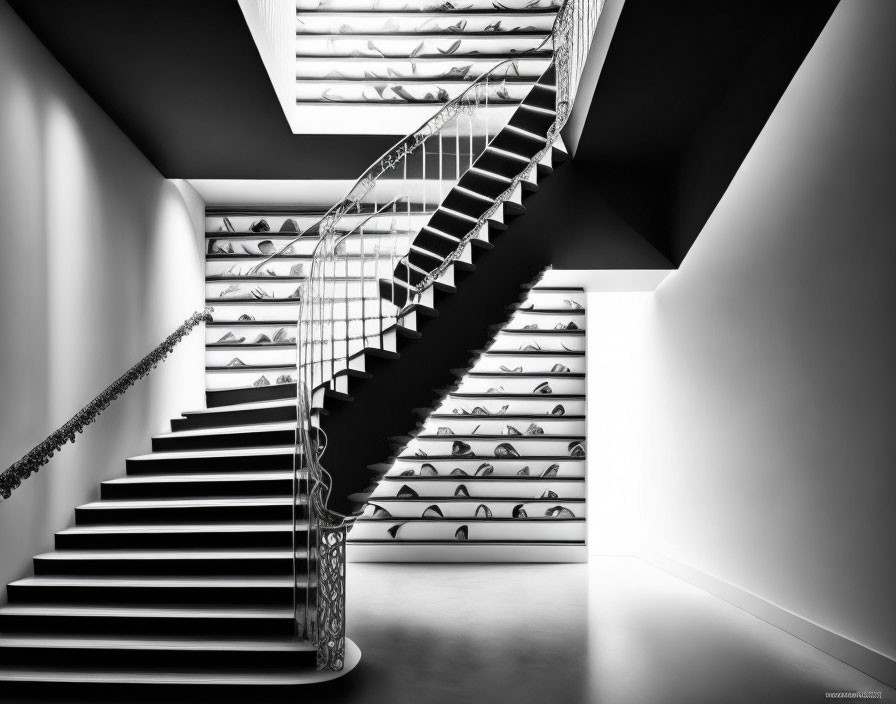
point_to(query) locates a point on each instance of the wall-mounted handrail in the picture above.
(13, 476)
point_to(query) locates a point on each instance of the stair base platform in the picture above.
(466, 552)
(49, 676)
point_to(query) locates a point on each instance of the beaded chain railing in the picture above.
(360, 241)
(12, 477)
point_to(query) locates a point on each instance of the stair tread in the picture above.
(483, 458)
(188, 503)
(228, 430)
(510, 394)
(159, 554)
(228, 452)
(247, 406)
(523, 416)
(201, 477)
(156, 676)
(137, 528)
(85, 582)
(461, 436)
(490, 478)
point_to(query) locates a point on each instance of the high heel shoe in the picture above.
(461, 449)
(483, 511)
(261, 381)
(236, 362)
(393, 531)
(285, 379)
(428, 470)
(512, 431)
(524, 472)
(551, 471)
(558, 410)
(484, 470)
(559, 512)
(226, 226)
(289, 225)
(479, 411)
(502, 410)
(495, 390)
(519, 511)
(515, 370)
(505, 449)
(230, 337)
(548, 494)
(530, 326)
(534, 430)
(266, 247)
(380, 512)
(568, 326)
(407, 493)
(407, 473)
(261, 339)
(543, 388)
(444, 431)
(433, 512)
(531, 347)
(461, 533)
(245, 318)
(575, 305)
(281, 337)
(576, 449)
(462, 491)
(458, 472)
(559, 369)
(260, 226)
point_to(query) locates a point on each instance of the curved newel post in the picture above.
(331, 539)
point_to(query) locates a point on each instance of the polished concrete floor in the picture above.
(616, 631)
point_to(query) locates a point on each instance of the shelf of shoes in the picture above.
(497, 470)
(251, 341)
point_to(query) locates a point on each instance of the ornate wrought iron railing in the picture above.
(13, 476)
(343, 310)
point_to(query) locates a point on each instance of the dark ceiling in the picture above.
(684, 91)
(184, 80)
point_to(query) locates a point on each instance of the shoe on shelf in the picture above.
(515, 370)
(543, 388)
(534, 429)
(519, 511)
(261, 381)
(512, 431)
(297, 270)
(260, 226)
(505, 449)
(566, 326)
(531, 326)
(458, 472)
(420, 453)
(245, 318)
(559, 369)
(558, 410)
(258, 293)
(230, 337)
(461, 449)
(576, 449)
(393, 531)
(495, 390)
(433, 512)
(296, 295)
(484, 470)
(407, 473)
(285, 379)
(262, 339)
(548, 494)
(461, 533)
(407, 493)
(559, 512)
(462, 491)
(380, 512)
(236, 362)
(575, 305)
(483, 511)
(524, 472)
(428, 470)
(266, 247)
(531, 347)
(479, 411)
(442, 430)
(551, 471)
(289, 225)
(282, 337)
(226, 226)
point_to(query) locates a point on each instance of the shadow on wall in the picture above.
(101, 261)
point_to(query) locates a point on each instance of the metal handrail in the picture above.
(13, 476)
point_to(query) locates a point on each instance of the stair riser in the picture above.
(138, 658)
(148, 626)
(209, 464)
(231, 514)
(195, 421)
(178, 490)
(215, 399)
(277, 567)
(221, 441)
(181, 541)
(189, 597)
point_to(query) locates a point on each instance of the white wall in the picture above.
(762, 394)
(101, 260)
